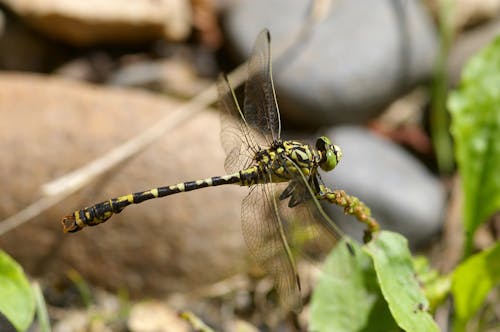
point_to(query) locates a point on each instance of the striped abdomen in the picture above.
(277, 164)
(100, 212)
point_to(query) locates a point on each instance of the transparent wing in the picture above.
(243, 133)
(307, 233)
(266, 241)
(260, 108)
(236, 138)
(309, 229)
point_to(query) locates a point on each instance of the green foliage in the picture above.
(82, 287)
(400, 287)
(378, 287)
(347, 297)
(475, 110)
(436, 287)
(439, 117)
(472, 280)
(373, 290)
(17, 303)
(41, 309)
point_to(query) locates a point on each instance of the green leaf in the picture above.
(41, 309)
(472, 280)
(400, 287)
(17, 303)
(347, 297)
(436, 287)
(475, 111)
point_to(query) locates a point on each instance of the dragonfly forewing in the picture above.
(260, 106)
(239, 141)
(279, 218)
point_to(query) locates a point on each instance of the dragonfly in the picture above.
(275, 170)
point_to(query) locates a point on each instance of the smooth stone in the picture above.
(155, 316)
(357, 60)
(401, 193)
(50, 126)
(175, 77)
(92, 22)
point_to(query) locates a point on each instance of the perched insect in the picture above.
(257, 157)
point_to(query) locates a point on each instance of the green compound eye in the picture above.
(331, 153)
(322, 143)
(330, 162)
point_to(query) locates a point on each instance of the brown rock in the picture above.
(50, 126)
(22, 49)
(93, 21)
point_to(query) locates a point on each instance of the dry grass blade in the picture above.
(195, 322)
(55, 191)
(28, 213)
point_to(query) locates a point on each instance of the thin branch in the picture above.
(353, 206)
(57, 190)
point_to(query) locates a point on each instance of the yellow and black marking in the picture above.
(292, 162)
(100, 212)
(281, 161)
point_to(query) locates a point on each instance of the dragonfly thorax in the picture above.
(282, 161)
(267, 224)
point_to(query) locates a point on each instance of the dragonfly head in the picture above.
(330, 153)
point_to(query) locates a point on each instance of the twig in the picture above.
(57, 190)
(353, 206)
(28, 213)
(82, 176)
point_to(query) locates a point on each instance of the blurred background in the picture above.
(81, 78)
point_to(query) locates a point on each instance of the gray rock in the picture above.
(402, 194)
(352, 64)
